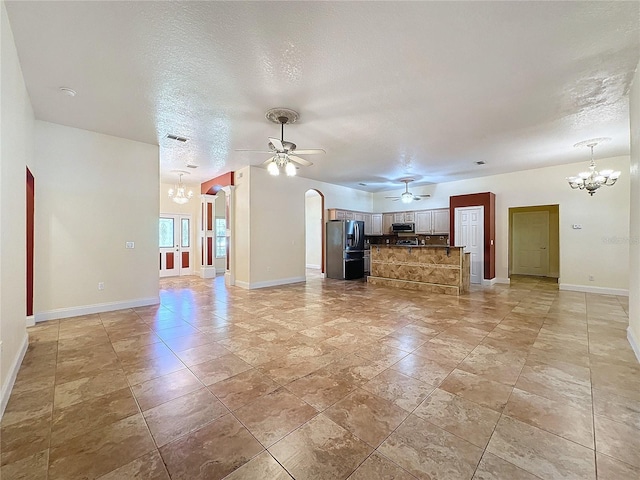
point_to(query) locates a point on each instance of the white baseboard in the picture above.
(599, 290)
(97, 308)
(12, 374)
(31, 321)
(241, 284)
(311, 265)
(270, 283)
(635, 345)
(220, 271)
(506, 281)
(489, 282)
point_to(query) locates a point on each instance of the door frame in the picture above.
(456, 213)
(178, 217)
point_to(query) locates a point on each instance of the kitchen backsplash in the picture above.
(392, 239)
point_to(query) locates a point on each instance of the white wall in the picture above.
(598, 249)
(94, 192)
(275, 225)
(313, 229)
(16, 153)
(634, 226)
(192, 207)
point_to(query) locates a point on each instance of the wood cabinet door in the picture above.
(341, 215)
(409, 217)
(366, 218)
(387, 221)
(441, 221)
(376, 224)
(423, 222)
(398, 217)
(358, 216)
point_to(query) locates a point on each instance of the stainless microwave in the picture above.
(403, 227)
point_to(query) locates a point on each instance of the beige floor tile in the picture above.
(242, 389)
(179, 344)
(183, 415)
(101, 451)
(468, 420)
(262, 466)
(477, 389)
(147, 467)
(367, 416)
(547, 455)
(611, 469)
(377, 467)
(33, 467)
(401, 390)
(24, 406)
(25, 438)
(212, 452)
(202, 354)
(219, 369)
(163, 389)
(617, 440)
(320, 450)
(152, 368)
(427, 451)
(274, 415)
(555, 384)
(495, 468)
(615, 407)
(92, 414)
(76, 391)
(136, 353)
(424, 369)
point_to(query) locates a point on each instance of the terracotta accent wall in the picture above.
(211, 187)
(30, 220)
(488, 201)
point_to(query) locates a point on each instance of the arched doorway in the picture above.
(314, 230)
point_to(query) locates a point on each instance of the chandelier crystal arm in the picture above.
(593, 180)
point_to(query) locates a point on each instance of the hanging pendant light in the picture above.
(179, 193)
(593, 179)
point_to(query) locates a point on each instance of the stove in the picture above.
(407, 241)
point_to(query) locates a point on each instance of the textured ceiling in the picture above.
(388, 89)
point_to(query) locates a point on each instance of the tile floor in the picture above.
(331, 380)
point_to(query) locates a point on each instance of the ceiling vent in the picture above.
(191, 165)
(481, 162)
(177, 138)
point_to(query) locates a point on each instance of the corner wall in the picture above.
(634, 216)
(94, 193)
(16, 153)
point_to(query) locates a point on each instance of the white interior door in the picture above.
(175, 245)
(530, 243)
(469, 234)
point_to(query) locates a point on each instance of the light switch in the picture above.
(577, 226)
(130, 245)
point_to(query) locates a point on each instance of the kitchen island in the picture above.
(426, 268)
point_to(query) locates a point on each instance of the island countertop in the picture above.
(428, 268)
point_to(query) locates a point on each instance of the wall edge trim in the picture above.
(13, 373)
(599, 290)
(242, 284)
(275, 283)
(506, 281)
(96, 308)
(489, 282)
(635, 345)
(31, 320)
(313, 265)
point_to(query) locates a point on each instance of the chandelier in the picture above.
(280, 161)
(593, 179)
(179, 193)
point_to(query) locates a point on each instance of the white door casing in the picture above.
(175, 245)
(530, 243)
(469, 233)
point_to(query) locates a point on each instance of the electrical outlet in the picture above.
(100, 285)
(577, 226)
(130, 245)
(591, 278)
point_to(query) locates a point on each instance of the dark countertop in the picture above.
(413, 246)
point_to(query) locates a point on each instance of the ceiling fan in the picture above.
(407, 196)
(284, 153)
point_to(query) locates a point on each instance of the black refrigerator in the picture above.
(345, 249)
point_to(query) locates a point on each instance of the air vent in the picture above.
(362, 184)
(177, 138)
(481, 162)
(190, 165)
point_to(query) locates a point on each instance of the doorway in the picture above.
(175, 245)
(534, 243)
(314, 231)
(469, 225)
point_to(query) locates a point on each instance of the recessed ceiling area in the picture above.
(388, 89)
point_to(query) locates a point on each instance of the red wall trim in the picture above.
(31, 193)
(488, 201)
(211, 187)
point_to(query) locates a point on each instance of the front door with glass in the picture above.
(175, 245)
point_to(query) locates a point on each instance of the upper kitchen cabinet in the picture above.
(440, 221)
(366, 218)
(423, 222)
(387, 221)
(376, 224)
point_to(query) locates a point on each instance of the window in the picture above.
(166, 233)
(221, 238)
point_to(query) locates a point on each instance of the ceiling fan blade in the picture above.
(423, 196)
(301, 161)
(267, 162)
(397, 198)
(277, 144)
(308, 151)
(254, 151)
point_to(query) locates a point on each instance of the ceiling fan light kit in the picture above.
(407, 196)
(285, 154)
(593, 179)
